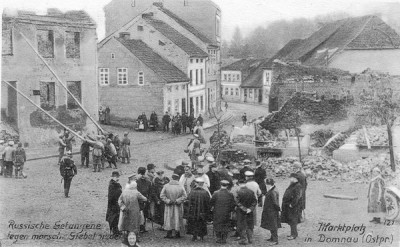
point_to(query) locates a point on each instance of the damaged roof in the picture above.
(358, 33)
(177, 38)
(72, 17)
(154, 61)
(243, 64)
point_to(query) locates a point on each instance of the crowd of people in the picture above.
(12, 157)
(192, 199)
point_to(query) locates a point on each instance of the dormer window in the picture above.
(267, 77)
(140, 28)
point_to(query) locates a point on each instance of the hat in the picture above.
(150, 166)
(246, 161)
(185, 163)
(224, 182)
(196, 135)
(249, 173)
(199, 180)
(160, 172)
(230, 174)
(269, 181)
(69, 153)
(132, 175)
(258, 162)
(175, 175)
(141, 170)
(210, 159)
(115, 174)
(126, 133)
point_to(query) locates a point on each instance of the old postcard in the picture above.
(200, 123)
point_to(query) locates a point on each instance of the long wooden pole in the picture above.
(59, 80)
(48, 114)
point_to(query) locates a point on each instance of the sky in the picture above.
(246, 14)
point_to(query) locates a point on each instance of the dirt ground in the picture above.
(39, 202)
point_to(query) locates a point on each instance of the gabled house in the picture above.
(68, 43)
(352, 44)
(233, 75)
(133, 79)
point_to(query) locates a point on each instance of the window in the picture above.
(169, 88)
(191, 60)
(231, 91)
(112, 55)
(229, 77)
(197, 60)
(169, 105)
(75, 88)
(250, 93)
(140, 78)
(245, 92)
(72, 44)
(197, 104)
(197, 77)
(201, 60)
(238, 77)
(161, 43)
(226, 91)
(176, 105)
(183, 87)
(140, 28)
(191, 77)
(47, 95)
(217, 26)
(225, 77)
(122, 76)
(45, 40)
(237, 91)
(104, 76)
(176, 88)
(201, 103)
(7, 48)
(201, 76)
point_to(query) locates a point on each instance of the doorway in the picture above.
(12, 106)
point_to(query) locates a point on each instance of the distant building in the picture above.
(352, 44)
(178, 42)
(134, 79)
(67, 41)
(233, 75)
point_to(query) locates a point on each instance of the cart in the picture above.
(392, 198)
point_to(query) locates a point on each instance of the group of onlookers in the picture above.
(12, 157)
(104, 115)
(227, 200)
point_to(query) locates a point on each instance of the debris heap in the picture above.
(377, 136)
(7, 133)
(320, 137)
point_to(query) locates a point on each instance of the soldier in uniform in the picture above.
(61, 147)
(67, 171)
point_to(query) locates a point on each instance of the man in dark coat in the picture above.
(166, 119)
(184, 121)
(244, 119)
(270, 215)
(259, 176)
(114, 191)
(199, 207)
(153, 121)
(224, 173)
(145, 188)
(303, 182)
(246, 203)
(245, 168)
(158, 185)
(85, 151)
(180, 169)
(67, 171)
(291, 205)
(214, 177)
(200, 120)
(223, 204)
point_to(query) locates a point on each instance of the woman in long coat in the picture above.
(173, 195)
(291, 205)
(126, 151)
(129, 219)
(376, 196)
(270, 215)
(114, 192)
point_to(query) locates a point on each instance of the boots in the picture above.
(178, 234)
(249, 235)
(66, 191)
(169, 234)
(224, 237)
(142, 229)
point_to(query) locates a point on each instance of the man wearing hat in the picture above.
(144, 187)
(98, 150)
(194, 147)
(9, 158)
(151, 170)
(224, 173)
(114, 192)
(187, 179)
(222, 204)
(270, 215)
(199, 208)
(2, 147)
(200, 174)
(246, 204)
(166, 119)
(291, 205)
(150, 175)
(303, 182)
(20, 159)
(180, 169)
(61, 147)
(173, 195)
(246, 168)
(253, 186)
(68, 171)
(111, 154)
(159, 181)
(125, 150)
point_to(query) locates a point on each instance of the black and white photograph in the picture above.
(188, 123)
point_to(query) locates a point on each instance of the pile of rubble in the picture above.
(326, 169)
(377, 136)
(320, 137)
(7, 133)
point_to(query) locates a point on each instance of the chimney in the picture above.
(125, 35)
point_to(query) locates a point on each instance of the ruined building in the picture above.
(67, 41)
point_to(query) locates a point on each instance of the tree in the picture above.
(236, 43)
(379, 107)
(224, 49)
